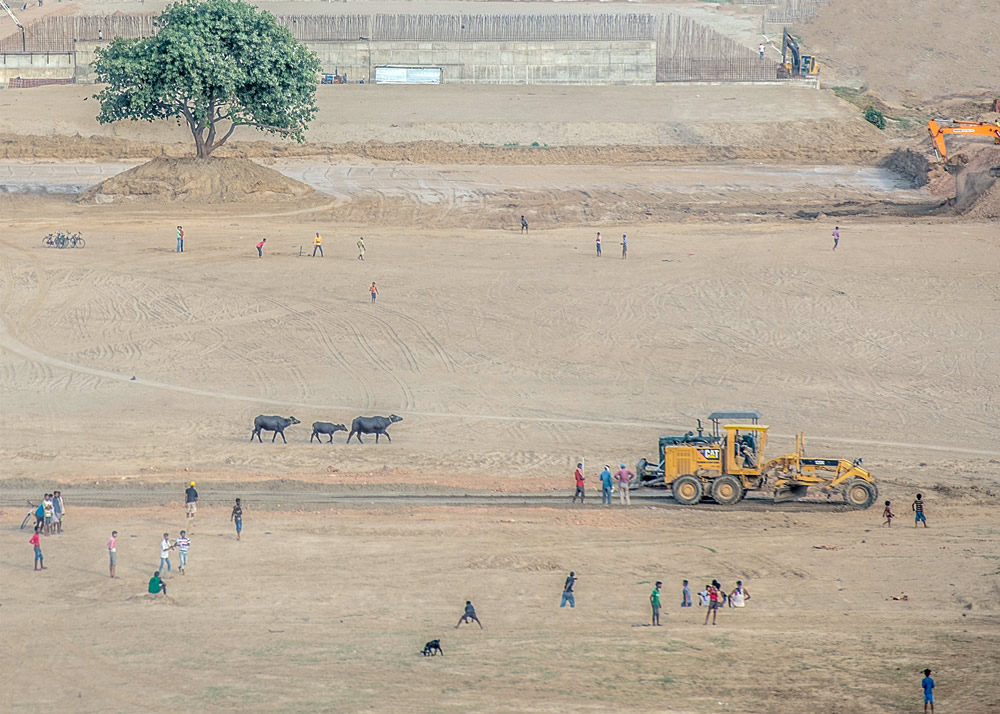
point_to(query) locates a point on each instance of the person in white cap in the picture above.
(607, 486)
(624, 476)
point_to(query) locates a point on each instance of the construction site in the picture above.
(744, 254)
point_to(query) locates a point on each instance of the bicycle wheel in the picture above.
(47, 240)
(27, 519)
(79, 243)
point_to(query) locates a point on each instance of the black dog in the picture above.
(433, 648)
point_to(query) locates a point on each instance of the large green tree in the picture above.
(219, 65)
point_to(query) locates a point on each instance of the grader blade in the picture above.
(790, 493)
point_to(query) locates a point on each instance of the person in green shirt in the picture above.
(654, 600)
(156, 585)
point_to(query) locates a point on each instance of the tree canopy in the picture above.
(219, 65)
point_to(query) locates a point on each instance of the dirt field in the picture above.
(509, 357)
(127, 370)
(326, 611)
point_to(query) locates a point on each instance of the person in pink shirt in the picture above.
(624, 477)
(113, 553)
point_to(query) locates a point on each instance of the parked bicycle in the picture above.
(30, 517)
(64, 240)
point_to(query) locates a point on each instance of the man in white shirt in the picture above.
(165, 548)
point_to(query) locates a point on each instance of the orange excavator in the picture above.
(964, 128)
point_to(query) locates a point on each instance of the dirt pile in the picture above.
(188, 180)
(906, 52)
(977, 190)
(987, 205)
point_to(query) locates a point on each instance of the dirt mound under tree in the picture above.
(190, 180)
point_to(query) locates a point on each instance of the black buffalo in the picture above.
(276, 424)
(325, 427)
(372, 425)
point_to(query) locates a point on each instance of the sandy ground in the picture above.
(326, 611)
(481, 339)
(127, 369)
(575, 116)
(904, 51)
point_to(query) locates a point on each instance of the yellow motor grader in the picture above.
(729, 461)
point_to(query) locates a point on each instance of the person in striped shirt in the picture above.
(183, 543)
(918, 511)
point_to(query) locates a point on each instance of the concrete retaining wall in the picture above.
(36, 65)
(562, 62)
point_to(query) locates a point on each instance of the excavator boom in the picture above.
(6, 8)
(938, 131)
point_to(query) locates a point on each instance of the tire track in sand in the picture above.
(14, 345)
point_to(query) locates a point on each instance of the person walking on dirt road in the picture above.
(183, 543)
(113, 554)
(654, 601)
(598, 244)
(237, 518)
(361, 248)
(578, 475)
(836, 237)
(180, 239)
(190, 501)
(918, 511)
(374, 291)
(624, 246)
(567, 593)
(624, 477)
(165, 547)
(524, 224)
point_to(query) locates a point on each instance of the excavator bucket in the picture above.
(789, 493)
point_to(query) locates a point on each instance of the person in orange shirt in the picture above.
(374, 291)
(260, 247)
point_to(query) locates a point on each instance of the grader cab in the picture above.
(729, 461)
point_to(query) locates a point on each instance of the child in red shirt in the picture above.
(713, 601)
(39, 558)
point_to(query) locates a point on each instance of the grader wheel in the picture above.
(860, 494)
(687, 490)
(727, 490)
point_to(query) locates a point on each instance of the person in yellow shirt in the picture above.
(318, 245)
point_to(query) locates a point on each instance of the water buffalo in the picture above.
(372, 425)
(276, 424)
(325, 427)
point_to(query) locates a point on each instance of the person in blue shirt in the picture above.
(40, 512)
(928, 685)
(607, 487)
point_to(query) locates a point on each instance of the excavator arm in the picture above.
(6, 8)
(975, 128)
